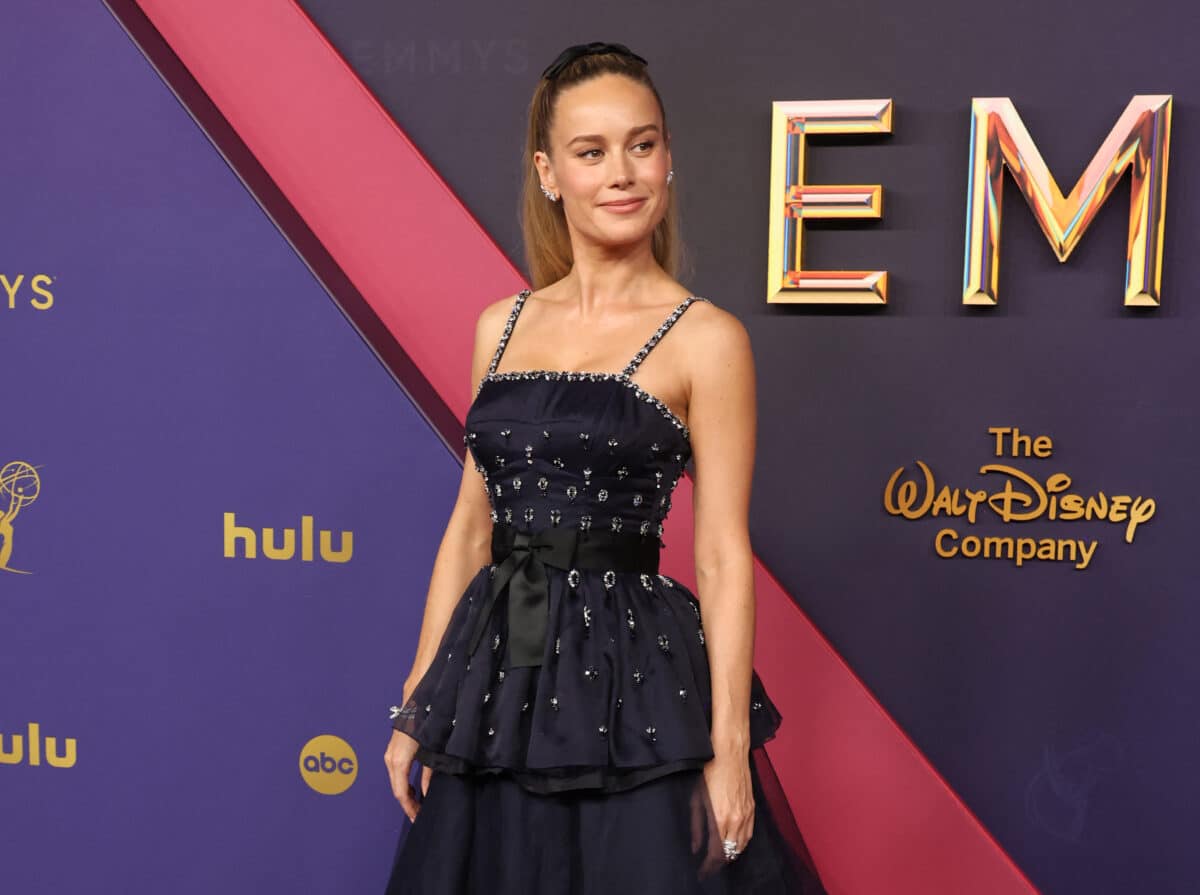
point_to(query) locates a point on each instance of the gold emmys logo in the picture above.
(328, 764)
(19, 487)
(1139, 142)
(271, 550)
(16, 751)
(1023, 498)
(37, 282)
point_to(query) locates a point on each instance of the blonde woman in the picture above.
(583, 723)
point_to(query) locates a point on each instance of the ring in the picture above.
(731, 849)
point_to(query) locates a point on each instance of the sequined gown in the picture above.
(582, 775)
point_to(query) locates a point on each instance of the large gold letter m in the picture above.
(1140, 140)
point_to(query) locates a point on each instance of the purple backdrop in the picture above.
(189, 366)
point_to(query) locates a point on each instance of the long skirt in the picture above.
(485, 834)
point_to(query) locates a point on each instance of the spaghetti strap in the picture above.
(508, 328)
(632, 366)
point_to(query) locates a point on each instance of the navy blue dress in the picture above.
(577, 771)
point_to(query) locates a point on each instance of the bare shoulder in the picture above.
(494, 314)
(714, 332)
(489, 325)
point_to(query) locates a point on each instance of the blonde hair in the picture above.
(548, 253)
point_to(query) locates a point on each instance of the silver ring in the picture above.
(731, 849)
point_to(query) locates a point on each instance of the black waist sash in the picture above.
(521, 557)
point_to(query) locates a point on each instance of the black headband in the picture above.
(570, 54)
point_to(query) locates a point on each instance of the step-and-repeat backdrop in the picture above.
(219, 510)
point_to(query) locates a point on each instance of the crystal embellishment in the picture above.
(624, 377)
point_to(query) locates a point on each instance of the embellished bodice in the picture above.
(569, 662)
(593, 450)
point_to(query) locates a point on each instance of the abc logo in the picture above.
(328, 764)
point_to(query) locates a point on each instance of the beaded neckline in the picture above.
(578, 375)
(624, 377)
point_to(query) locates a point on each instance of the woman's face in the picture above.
(608, 161)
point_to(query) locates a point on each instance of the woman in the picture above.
(586, 724)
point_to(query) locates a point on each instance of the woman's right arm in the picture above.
(464, 549)
(467, 542)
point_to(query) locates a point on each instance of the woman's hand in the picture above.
(399, 758)
(731, 800)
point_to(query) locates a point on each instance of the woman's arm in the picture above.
(466, 544)
(722, 418)
(465, 547)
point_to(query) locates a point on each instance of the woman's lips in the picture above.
(624, 207)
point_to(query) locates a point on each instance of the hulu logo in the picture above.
(271, 549)
(16, 748)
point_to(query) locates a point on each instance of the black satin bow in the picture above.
(521, 558)
(525, 555)
(570, 54)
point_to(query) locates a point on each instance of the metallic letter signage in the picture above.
(1140, 141)
(792, 200)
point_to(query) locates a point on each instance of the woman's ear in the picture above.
(541, 164)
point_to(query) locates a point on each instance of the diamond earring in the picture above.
(670, 175)
(549, 194)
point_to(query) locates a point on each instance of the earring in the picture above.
(549, 194)
(670, 175)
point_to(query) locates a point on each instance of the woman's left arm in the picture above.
(722, 419)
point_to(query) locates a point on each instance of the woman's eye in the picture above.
(585, 152)
(647, 143)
